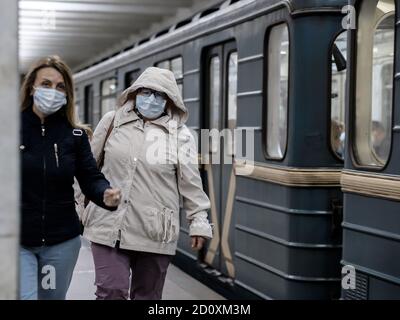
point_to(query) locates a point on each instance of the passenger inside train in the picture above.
(380, 141)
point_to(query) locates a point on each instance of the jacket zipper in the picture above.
(56, 155)
(44, 185)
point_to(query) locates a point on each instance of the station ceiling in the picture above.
(81, 31)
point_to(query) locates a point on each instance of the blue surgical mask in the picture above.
(49, 101)
(150, 107)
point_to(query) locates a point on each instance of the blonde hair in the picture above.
(56, 63)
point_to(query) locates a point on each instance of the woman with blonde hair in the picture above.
(152, 157)
(54, 150)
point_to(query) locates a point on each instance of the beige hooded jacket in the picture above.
(154, 164)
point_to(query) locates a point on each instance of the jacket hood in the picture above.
(161, 80)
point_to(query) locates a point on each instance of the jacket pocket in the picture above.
(161, 225)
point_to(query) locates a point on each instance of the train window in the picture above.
(338, 94)
(164, 65)
(232, 95)
(176, 66)
(131, 77)
(180, 86)
(232, 90)
(177, 69)
(374, 87)
(77, 94)
(108, 95)
(277, 91)
(215, 80)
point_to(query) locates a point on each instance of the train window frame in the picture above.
(180, 79)
(107, 96)
(330, 75)
(266, 90)
(355, 157)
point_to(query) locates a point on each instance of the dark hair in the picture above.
(377, 125)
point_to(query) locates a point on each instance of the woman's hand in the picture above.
(197, 242)
(112, 197)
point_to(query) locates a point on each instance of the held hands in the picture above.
(112, 197)
(197, 242)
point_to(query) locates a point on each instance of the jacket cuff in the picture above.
(200, 226)
(109, 208)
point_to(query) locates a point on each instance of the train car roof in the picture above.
(229, 6)
(308, 4)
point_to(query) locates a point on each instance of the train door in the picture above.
(88, 104)
(371, 179)
(220, 94)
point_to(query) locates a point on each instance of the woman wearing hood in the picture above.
(151, 156)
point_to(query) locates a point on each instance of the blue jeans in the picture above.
(46, 272)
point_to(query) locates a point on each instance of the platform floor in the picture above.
(178, 284)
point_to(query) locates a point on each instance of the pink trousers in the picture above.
(114, 280)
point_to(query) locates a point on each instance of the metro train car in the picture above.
(371, 178)
(322, 189)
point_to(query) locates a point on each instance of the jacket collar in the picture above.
(35, 120)
(125, 115)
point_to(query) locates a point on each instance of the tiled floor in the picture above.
(178, 285)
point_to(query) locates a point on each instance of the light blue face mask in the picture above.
(150, 107)
(49, 101)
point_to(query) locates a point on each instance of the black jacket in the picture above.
(53, 154)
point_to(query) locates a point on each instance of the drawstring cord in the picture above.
(165, 226)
